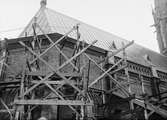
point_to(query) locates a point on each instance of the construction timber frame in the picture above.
(32, 80)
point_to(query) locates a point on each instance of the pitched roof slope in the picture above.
(53, 22)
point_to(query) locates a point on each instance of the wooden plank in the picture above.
(10, 86)
(5, 111)
(62, 82)
(39, 73)
(14, 82)
(36, 73)
(51, 102)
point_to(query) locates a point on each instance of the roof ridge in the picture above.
(41, 13)
(29, 23)
(44, 10)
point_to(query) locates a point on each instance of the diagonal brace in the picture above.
(114, 80)
(54, 45)
(51, 67)
(55, 92)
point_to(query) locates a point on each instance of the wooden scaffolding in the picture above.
(32, 80)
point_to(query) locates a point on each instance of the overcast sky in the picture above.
(129, 19)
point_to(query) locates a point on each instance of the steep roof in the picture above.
(53, 22)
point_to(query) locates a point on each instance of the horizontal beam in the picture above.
(14, 82)
(6, 111)
(52, 102)
(50, 82)
(9, 86)
(39, 73)
(62, 82)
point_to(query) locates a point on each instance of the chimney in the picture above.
(43, 3)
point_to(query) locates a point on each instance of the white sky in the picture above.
(129, 19)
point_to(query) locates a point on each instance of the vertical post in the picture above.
(102, 82)
(78, 47)
(106, 84)
(20, 108)
(85, 83)
(84, 75)
(127, 76)
(129, 89)
(3, 53)
(155, 83)
(22, 84)
(144, 93)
